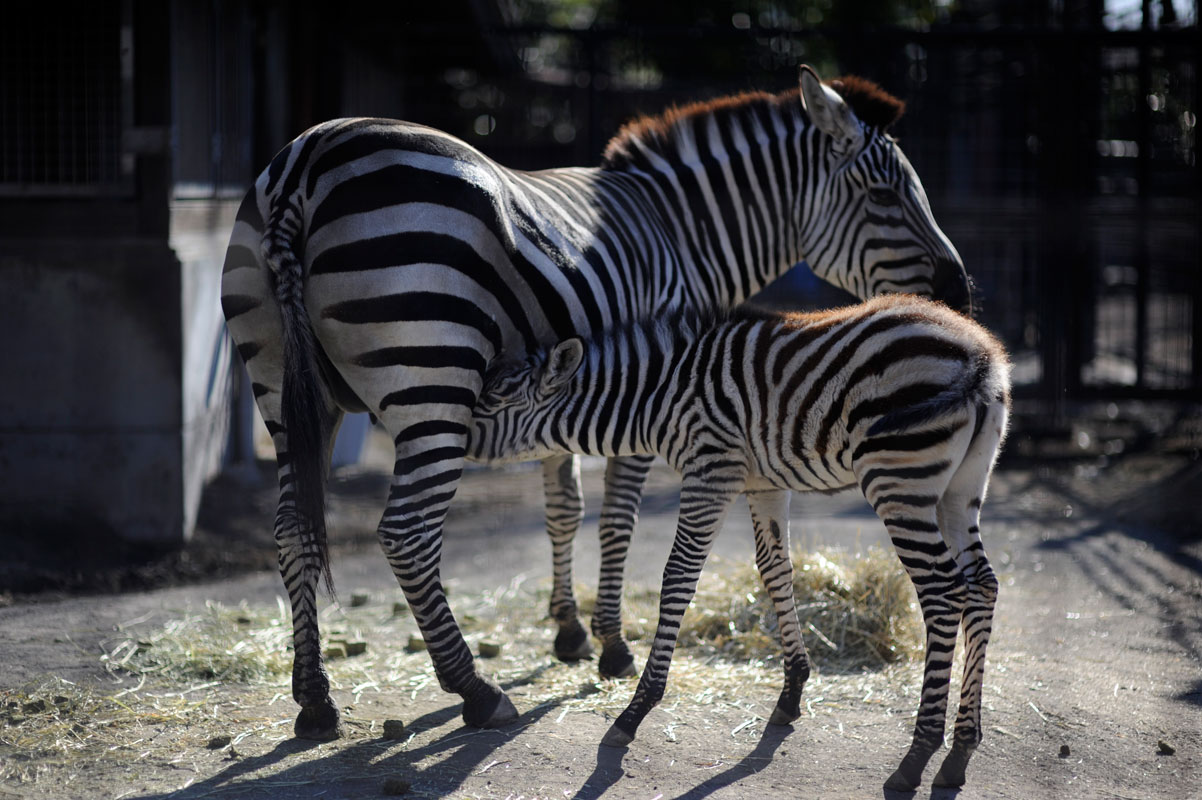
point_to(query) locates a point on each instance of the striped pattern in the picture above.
(382, 266)
(900, 397)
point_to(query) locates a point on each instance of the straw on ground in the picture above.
(219, 672)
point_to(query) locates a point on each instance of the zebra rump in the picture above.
(975, 388)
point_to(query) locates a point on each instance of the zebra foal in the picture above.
(899, 396)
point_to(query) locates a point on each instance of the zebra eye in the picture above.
(884, 197)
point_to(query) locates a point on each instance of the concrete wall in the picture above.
(114, 380)
(90, 409)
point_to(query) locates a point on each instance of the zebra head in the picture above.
(514, 414)
(868, 226)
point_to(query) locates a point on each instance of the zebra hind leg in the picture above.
(624, 482)
(301, 563)
(565, 513)
(978, 624)
(959, 515)
(770, 518)
(429, 463)
(942, 596)
(905, 499)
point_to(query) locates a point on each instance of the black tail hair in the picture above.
(303, 404)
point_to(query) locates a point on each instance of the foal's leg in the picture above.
(565, 512)
(941, 596)
(624, 482)
(904, 494)
(770, 517)
(959, 513)
(703, 506)
(301, 564)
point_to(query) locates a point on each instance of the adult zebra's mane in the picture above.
(872, 104)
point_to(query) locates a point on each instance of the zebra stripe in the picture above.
(381, 266)
(900, 397)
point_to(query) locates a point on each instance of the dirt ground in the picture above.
(1093, 685)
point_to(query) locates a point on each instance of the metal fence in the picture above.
(64, 101)
(1062, 163)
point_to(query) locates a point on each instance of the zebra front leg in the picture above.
(702, 509)
(770, 518)
(424, 481)
(624, 481)
(565, 513)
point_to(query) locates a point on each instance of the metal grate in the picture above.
(213, 98)
(61, 108)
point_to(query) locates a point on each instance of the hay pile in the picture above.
(856, 611)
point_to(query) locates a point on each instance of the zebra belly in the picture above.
(782, 467)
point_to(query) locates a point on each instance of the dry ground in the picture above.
(1094, 671)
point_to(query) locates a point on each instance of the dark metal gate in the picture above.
(1060, 159)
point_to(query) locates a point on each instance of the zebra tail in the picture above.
(973, 388)
(302, 405)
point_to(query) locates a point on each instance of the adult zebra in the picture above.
(381, 266)
(899, 396)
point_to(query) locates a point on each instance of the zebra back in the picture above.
(792, 393)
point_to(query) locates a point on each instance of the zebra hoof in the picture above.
(319, 723)
(617, 665)
(572, 643)
(900, 783)
(782, 717)
(948, 780)
(616, 737)
(951, 771)
(499, 713)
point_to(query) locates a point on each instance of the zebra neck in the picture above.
(731, 185)
(617, 404)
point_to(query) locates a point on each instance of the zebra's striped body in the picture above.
(381, 266)
(899, 396)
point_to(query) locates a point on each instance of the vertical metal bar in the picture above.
(1196, 300)
(589, 40)
(1143, 119)
(1054, 269)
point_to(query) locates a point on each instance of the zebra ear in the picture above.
(562, 364)
(828, 111)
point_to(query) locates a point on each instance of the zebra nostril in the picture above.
(950, 285)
